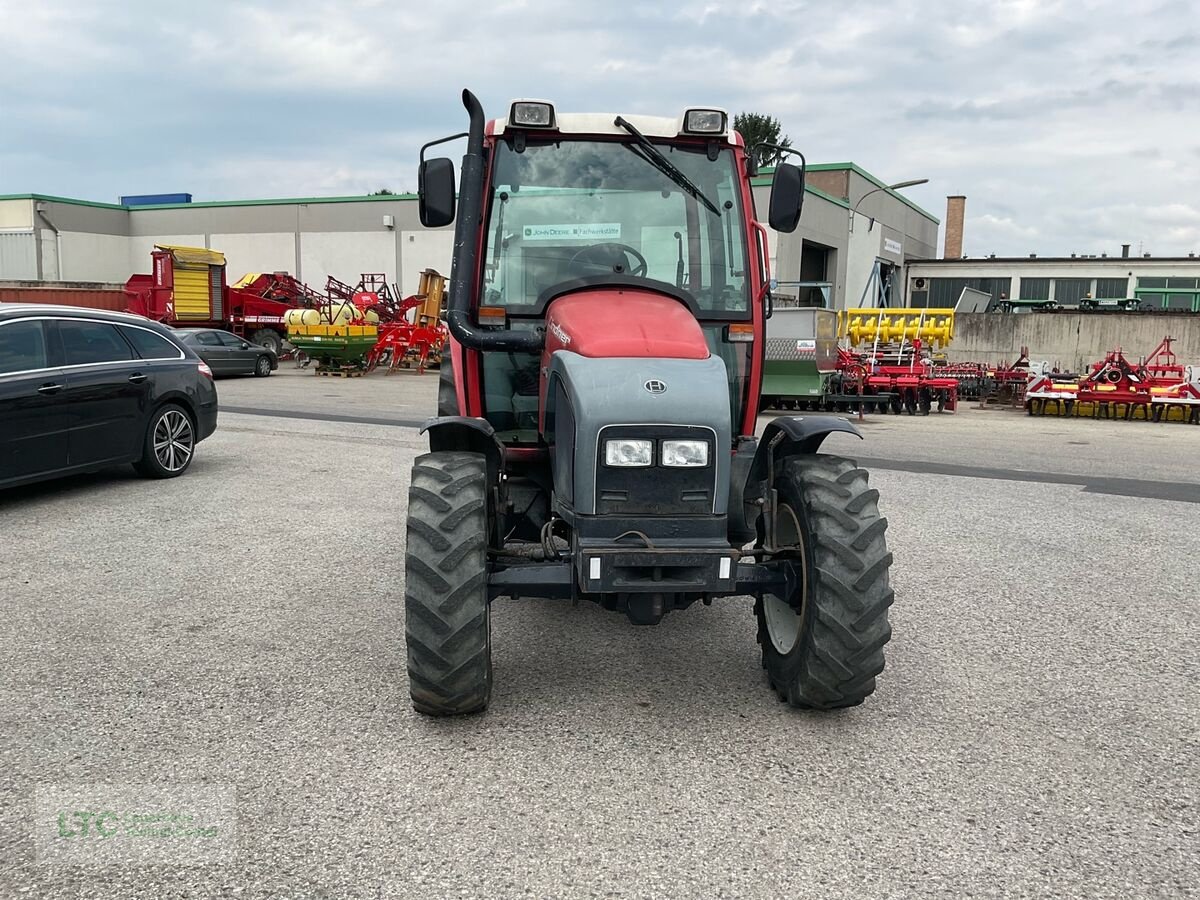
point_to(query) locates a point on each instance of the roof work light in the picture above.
(531, 114)
(704, 121)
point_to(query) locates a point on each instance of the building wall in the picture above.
(87, 256)
(1072, 341)
(347, 237)
(248, 253)
(16, 215)
(18, 255)
(1015, 271)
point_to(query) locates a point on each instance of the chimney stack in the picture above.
(1124, 251)
(956, 208)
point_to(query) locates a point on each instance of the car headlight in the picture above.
(685, 453)
(628, 453)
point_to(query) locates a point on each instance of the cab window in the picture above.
(22, 347)
(85, 343)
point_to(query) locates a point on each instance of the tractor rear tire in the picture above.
(447, 392)
(447, 620)
(827, 654)
(265, 337)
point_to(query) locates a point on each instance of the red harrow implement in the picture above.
(1158, 388)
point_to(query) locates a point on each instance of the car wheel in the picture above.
(262, 368)
(169, 444)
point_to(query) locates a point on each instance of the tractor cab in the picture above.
(598, 408)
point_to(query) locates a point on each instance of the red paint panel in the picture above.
(605, 322)
(88, 298)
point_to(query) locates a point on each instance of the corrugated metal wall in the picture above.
(18, 256)
(92, 298)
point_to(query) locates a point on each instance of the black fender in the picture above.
(784, 436)
(791, 435)
(468, 433)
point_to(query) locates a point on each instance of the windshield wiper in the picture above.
(653, 156)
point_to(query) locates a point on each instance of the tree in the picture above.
(382, 192)
(756, 128)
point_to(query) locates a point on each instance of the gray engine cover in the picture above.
(612, 391)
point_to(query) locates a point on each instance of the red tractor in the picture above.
(597, 413)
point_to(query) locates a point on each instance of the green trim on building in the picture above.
(209, 204)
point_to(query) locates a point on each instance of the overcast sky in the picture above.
(1071, 127)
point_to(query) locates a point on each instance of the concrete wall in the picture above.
(1073, 341)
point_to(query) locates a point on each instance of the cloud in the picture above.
(1068, 126)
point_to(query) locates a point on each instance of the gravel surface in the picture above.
(1036, 733)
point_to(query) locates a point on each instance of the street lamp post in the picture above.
(889, 187)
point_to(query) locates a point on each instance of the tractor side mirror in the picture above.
(435, 188)
(787, 197)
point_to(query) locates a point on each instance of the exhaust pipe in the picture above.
(466, 252)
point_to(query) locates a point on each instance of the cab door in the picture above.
(33, 439)
(106, 393)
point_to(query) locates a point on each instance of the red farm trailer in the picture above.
(188, 288)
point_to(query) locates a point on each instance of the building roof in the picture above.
(286, 201)
(1057, 260)
(763, 179)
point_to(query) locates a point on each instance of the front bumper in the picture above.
(609, 569)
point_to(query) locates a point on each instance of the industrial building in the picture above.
(854, 238)
(1157, 283)
(1171, 283)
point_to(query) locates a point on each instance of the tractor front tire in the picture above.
(826, 654)
(447, 623)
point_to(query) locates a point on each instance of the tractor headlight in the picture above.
(704, 121)
(531, 114)
(685, 454)
(628, 453)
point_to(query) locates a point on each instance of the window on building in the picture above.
(1182, 283)
(1154, 301)
(1184, 302)
(1110, 288)
(944, 292)
(1069, 291)
(1152, 283)
(1035, 289)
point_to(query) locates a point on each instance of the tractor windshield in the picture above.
(585, 209)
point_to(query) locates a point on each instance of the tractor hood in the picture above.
(607, 322)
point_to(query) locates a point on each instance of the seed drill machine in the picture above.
(598, 409)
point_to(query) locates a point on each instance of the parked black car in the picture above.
(83, 389)
(228, 354)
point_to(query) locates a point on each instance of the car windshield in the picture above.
(592, 209)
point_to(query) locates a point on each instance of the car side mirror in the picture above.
(787, 198)
(435, 190)
(245, 346)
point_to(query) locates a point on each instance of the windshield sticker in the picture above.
(600, 232)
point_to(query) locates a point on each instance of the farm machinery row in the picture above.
(367, 326)
(1156, 388)
(891, 361)
(342, 328)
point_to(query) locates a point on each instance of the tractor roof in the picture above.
(604, 123)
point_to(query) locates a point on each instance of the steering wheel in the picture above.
(609, 258)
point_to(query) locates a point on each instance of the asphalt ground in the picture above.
(240, 630)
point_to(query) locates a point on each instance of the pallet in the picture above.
(342, 373)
